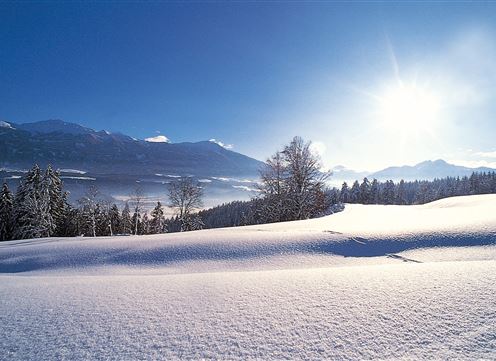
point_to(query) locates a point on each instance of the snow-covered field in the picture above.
(369, 282)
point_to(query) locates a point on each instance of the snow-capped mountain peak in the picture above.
(5, 125)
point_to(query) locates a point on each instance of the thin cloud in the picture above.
(158, 139)
(487, 154)
(473, 163)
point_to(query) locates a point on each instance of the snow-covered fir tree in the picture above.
(102, 219)
(374, 192)
(6, 213)
(400, 193)
(144, 224)
(114, 220)
(355, 192)
(32, 214)
(126, 222)
(345, 193)
(192, 222)
(364, 196)
(157, 223)
(389, 192)
(58, 205)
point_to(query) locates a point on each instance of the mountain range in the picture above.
(427, 170)
(69, 145)
(116, 163)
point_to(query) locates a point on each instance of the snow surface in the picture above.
(368, 282)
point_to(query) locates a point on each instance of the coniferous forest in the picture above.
(367, 192)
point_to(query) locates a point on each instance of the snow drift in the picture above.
(370, 282)
(358, 231)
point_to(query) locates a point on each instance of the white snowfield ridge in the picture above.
(371, 282)
(358, 231)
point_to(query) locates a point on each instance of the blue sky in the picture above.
(255, 74)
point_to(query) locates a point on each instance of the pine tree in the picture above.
(144, 224)
(6, 213)
(389, 192)
(102, 220)
(58, 205)
(364, 197)
(401, 193)
(30, 183)
(115, 220)
(344, 195)
(36, 220)
(32, 207)
(72, 223)
(355, 192)
(157, 223)
(126, 222)
(192, 222)
(374, 192)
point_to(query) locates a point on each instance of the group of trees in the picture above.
(185, 196)
(232, 214)
(40, 208)
(241, 213)
(96, 216)
(414, 192)
(292, 187)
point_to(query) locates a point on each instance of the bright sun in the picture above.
(409, 108)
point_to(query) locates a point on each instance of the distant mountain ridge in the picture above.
(340, 172)
(70, 145)
(53, 126)
(427, 170)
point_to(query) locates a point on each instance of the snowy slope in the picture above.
(368, 282)
(371, 230)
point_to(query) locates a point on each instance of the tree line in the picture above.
(293, 187)
(366, 192)
(413, 192)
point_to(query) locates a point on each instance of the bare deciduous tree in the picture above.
(292, 184)
(306, 180)
(274, 189)
(89, 202)
(186, 196)
(137, 199)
